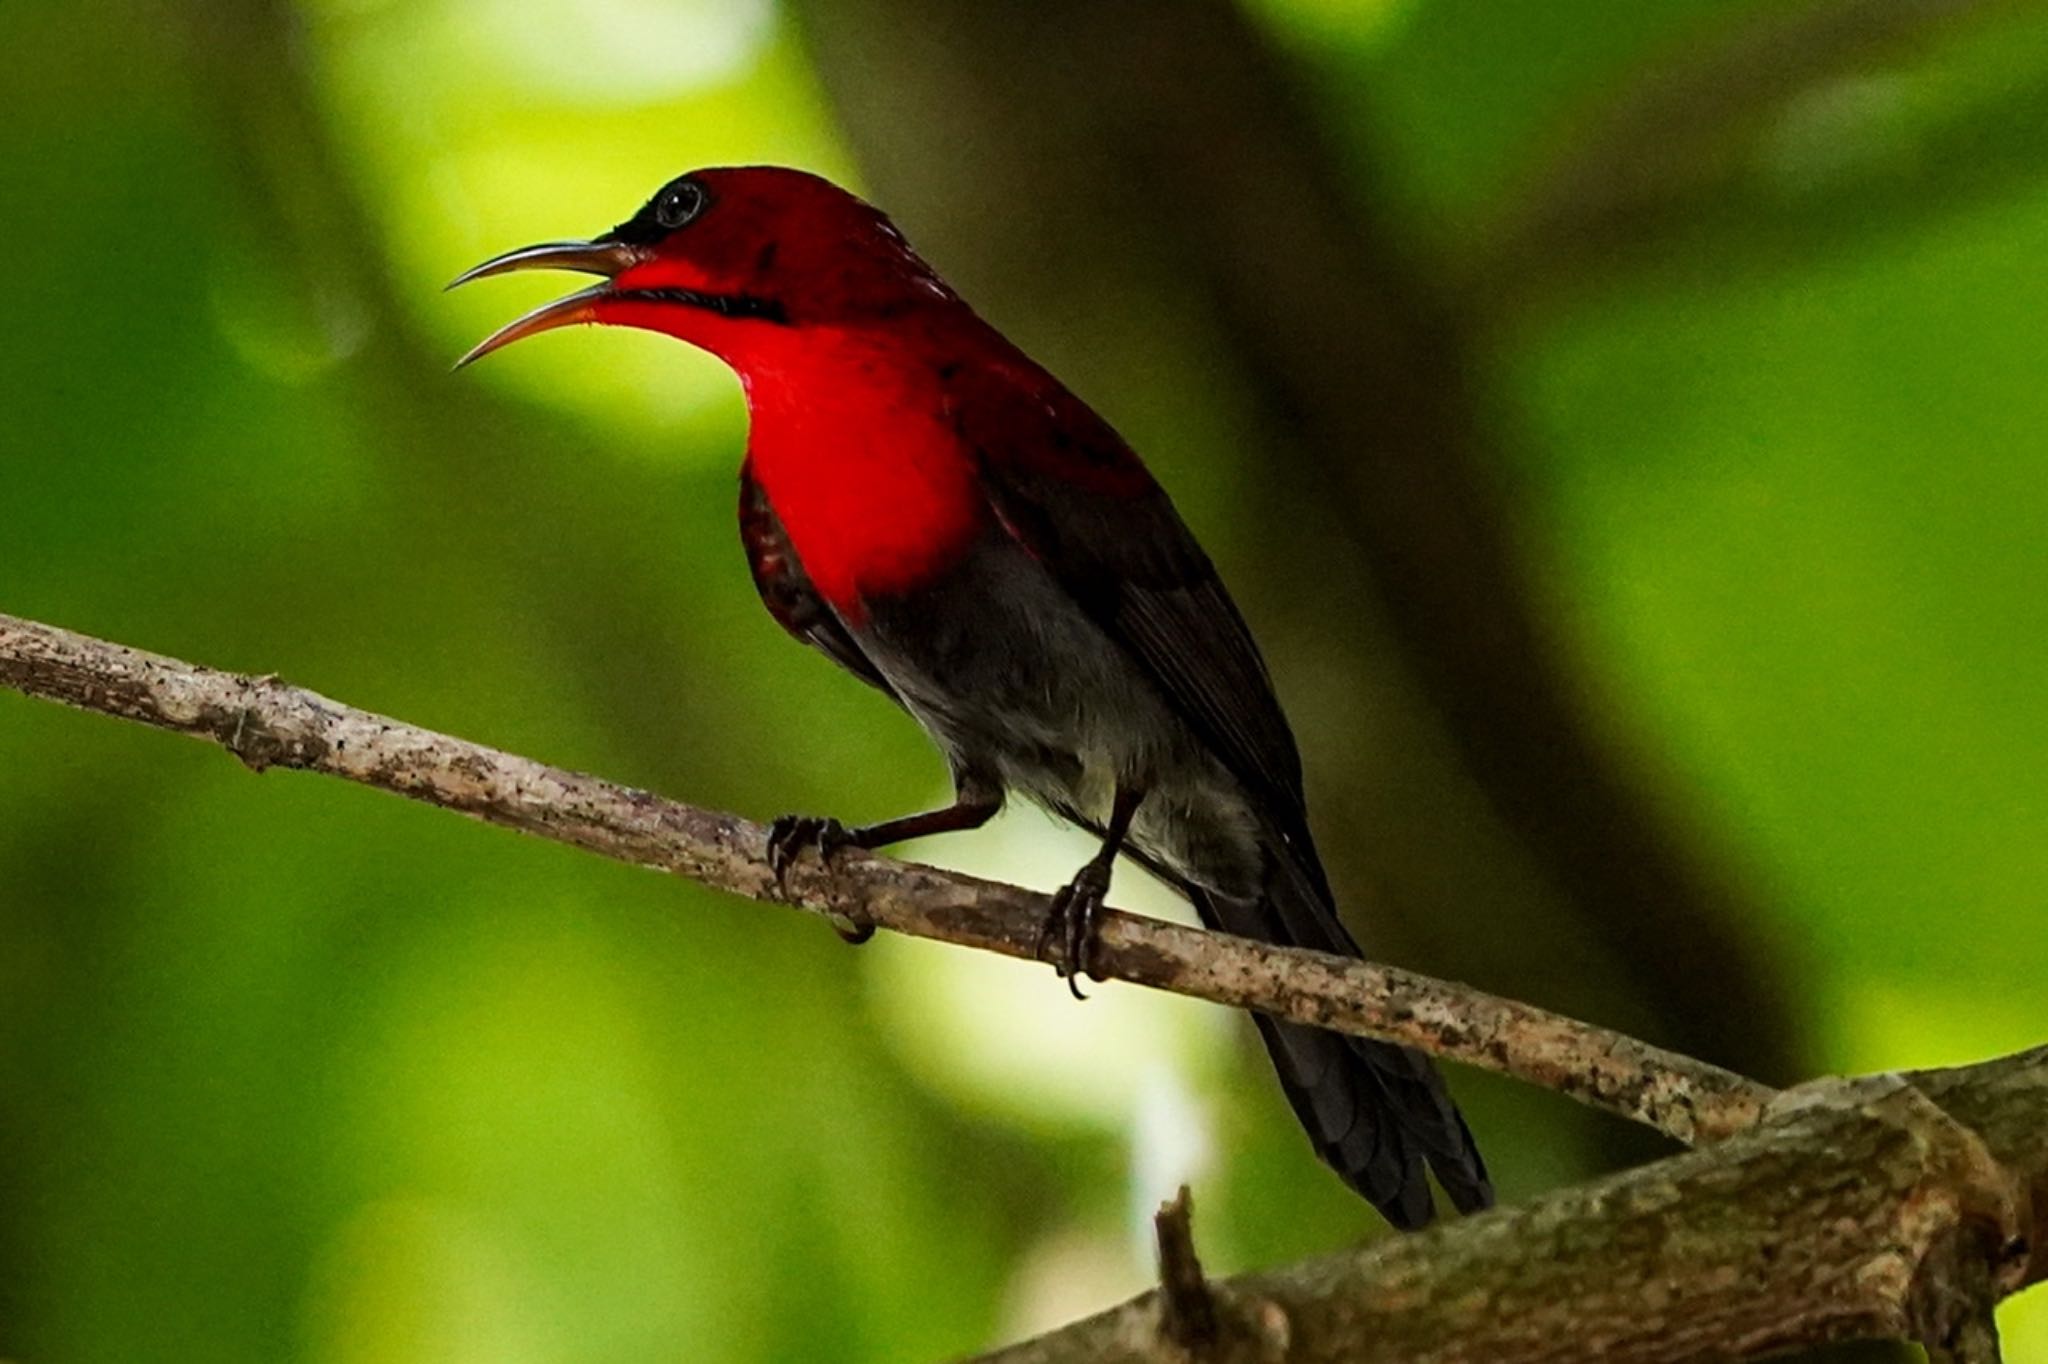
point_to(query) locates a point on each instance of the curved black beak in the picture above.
(592, 258)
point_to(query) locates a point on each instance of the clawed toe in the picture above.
(852, 931)
(790, 835)
(1071, 922)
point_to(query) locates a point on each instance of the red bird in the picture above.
(943, 519)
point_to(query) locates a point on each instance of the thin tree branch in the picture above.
(269, 723)
(1894, 1207)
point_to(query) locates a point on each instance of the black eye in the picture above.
(678, 203)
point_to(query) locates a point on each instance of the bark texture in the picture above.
(1888, 1207)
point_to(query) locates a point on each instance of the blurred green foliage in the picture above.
(289, 1070)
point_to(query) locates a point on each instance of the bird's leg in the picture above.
(975, 803)
(789, 835)
(1078, 905)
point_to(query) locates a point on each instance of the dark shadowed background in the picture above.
(1618, 420)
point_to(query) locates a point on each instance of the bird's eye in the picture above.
(678, 204)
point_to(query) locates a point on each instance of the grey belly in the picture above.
(1019, 686)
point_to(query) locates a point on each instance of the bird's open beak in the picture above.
(609, 259)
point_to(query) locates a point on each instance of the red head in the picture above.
(727, 259)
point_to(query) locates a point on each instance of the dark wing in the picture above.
(786, 589)
(1069, 489)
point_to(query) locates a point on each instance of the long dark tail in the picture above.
(1376, 1112)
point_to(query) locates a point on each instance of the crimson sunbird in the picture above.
(941, 517)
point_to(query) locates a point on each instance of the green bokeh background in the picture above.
(294, 1071)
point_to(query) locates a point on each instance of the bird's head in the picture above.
(717, 256)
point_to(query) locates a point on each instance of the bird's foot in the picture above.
(1072, 923)
(790, 835)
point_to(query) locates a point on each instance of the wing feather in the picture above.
(1074, 494)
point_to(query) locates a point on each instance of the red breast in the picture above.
(850, 439)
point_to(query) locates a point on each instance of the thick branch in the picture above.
(1892, 1207)
(268, 723)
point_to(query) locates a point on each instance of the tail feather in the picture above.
(1344, 1112)
(1376, 1113)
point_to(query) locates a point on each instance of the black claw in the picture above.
(1081, 938)
(853, 932)
(789, 835)
(1072, 921)
(1050, 929)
